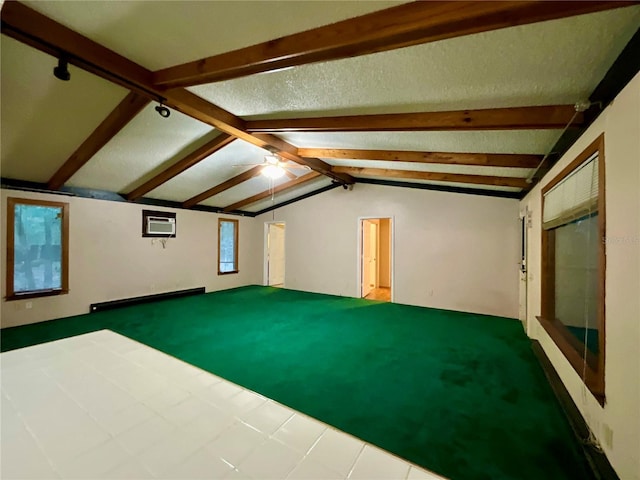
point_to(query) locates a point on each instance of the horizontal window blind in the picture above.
(574, 197)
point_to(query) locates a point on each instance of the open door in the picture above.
(375, 259)
(275, 256)
(369, 256)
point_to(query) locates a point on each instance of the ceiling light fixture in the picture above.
(163, 111)
(61, 71)
(272, 159)
(273, 171)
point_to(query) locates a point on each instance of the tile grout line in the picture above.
(356, 460)
(111, 437)
(193, 393)
(327, 426)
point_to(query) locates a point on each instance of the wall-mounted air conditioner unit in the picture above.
(158, 224)
(161, 226)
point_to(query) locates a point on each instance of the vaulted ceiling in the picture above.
(468, 95)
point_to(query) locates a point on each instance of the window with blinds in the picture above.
(573, 264)
(574, 197)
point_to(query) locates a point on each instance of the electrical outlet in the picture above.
(28, 305)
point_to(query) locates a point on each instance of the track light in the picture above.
(163, 111)
(61, 70)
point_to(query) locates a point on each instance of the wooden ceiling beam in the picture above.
(200, 109)
(180, 166)
(401, 26)
(226, 185)
(126, 110)
(436, 176)
(445, 158)
(33, 28)
(267, 193)
(290, 152)
(515, 118)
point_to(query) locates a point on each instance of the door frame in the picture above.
(523, 292)
(392, 259)
(265, 255)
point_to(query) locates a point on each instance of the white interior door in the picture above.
(275, 252)
(373, 264)
(369, 256)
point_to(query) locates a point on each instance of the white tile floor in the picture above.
(103, 406)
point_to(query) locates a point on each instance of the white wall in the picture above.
(620, 123)
(451, 251)
(109, 259)
(276, 253)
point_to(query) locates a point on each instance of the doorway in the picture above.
(375, 259)
(275, 254)
(525, 223)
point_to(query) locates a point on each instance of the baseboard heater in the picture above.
(598, 461)
(126, 302)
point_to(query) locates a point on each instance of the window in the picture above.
(227, 246)
(37, 248)
(573, 264)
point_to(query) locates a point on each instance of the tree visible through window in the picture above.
(37, 233)
(227, 246)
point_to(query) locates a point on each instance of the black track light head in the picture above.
(163, 111)
(61, 71)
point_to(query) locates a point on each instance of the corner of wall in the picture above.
(616, 424)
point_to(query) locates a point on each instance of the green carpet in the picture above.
(460, 394)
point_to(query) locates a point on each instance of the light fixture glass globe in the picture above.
(271, 159)
(273, 171)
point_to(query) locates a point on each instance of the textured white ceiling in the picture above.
(146, 146)
(553, 62)
(159, 34)
(211, 171)
(496, 141)
(315, 184)
(45, 119)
